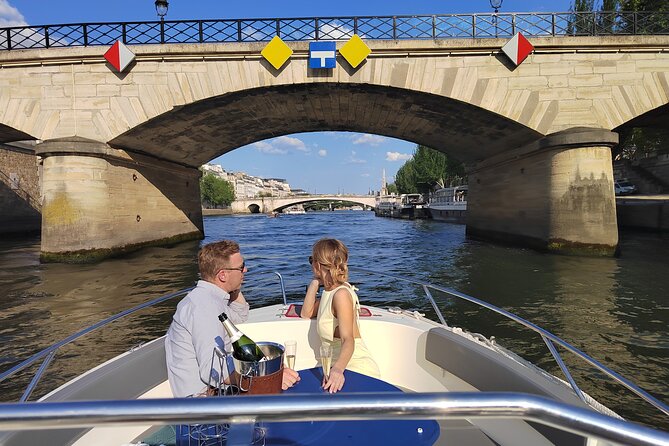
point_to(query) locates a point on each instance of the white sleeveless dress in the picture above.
(361, 361)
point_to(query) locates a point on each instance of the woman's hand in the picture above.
(335, 381)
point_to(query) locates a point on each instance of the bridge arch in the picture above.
(198, 132)
(535, 138)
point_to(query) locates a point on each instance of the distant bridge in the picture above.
(276, 204)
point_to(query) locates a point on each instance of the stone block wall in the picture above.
(20, 204)
(97, 206)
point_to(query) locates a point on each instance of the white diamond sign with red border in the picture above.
(518, 48)
(119, 56)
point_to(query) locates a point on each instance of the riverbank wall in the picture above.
(649, 212)
(212, 212)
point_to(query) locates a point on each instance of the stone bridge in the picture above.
(276, 204)
(120, 151)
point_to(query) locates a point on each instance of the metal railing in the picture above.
(399, 27)
(48, 353)
(550, 339)
(242, 411)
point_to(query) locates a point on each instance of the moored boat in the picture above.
(387, 206)
(446, 373)
(449, 204)
(296, 209)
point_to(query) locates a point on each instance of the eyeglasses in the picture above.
(240, 268)
(311, 260)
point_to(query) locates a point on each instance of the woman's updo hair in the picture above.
(332, 255)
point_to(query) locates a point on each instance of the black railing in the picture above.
(472, 26)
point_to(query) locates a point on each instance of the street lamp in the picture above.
(162, 5)
(494, 4)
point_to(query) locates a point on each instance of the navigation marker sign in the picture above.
(119, 56)
(518, 48)
(355, 51)
(322, 54)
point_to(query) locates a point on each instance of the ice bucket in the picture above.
(261, 377)
(274, 354)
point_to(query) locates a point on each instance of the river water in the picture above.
(615, 309)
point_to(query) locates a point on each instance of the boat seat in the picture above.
(489, 371)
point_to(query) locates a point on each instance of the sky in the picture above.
(323, 162)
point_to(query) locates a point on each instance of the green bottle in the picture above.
(243, 348)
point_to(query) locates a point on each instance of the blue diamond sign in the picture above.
(322, 54)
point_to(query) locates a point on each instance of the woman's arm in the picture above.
(343, 309)
(310, 305)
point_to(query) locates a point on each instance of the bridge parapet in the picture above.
(399, 27)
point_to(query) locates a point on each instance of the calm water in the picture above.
(617, 310)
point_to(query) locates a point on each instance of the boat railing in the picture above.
(242, 412)
(549, 338)
(48, 353)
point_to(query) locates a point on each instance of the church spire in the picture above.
(384, 185)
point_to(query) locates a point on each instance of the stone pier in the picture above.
(99, 201)
(555, 194)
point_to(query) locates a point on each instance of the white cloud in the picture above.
(290, 142)
(335, 31)
(397, 156)
(353, 160)
(268, 148)
(281, 145)
(366, 175)
(322, 152)
(372, 140)
(10, 16)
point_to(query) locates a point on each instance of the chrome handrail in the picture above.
(49, 352)
(547, 336)
(543, 333)
(322, 407)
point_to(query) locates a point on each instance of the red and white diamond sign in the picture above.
(119, 56)
(518, 48)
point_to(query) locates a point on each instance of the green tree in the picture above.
(405, 178)
(215, 191)
(648, 23)
(392, 188)
(581, 22)
(427, 168)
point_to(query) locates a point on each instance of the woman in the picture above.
(337, 313)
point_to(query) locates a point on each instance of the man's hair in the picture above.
(215, 256)
(332, 255)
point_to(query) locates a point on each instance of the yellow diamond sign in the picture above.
(355, 51)
(276, 52)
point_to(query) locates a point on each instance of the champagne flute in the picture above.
(326, 359)
(291, 350)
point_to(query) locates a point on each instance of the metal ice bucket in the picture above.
(274, 354)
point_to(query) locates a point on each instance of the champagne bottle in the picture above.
(243, 348)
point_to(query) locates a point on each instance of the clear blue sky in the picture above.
(326, 162)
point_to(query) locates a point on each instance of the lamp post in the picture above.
(161, 8)
(494, 4)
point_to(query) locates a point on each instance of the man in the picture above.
(195, 330)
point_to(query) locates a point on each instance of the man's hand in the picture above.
(290, 377)
(335, 381)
